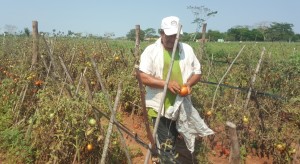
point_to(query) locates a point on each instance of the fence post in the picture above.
(203, 33)
(254, 78)
(202, 40)
(35, 52)
(296, 157)
(234, 149)
(137, 42)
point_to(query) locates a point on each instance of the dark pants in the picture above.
(172, 148)
(185, 155)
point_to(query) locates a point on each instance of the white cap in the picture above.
(170, 25)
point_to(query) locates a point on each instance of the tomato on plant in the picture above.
(245, 120)
(89, 147)
(225, 151)
(280, 147)
(208, 113)
(92, 121)
(38, 83)
(292, 151)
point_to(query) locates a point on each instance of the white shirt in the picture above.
(188, 121)
(152, 62)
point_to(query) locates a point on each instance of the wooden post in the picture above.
(110, 126)
(137, 42)
(112, 110)
(136, 49)
(3, 41)
(142, 93)
(228, 69)
(254, 78)
(235, 149)
(296, 157)
(202, 40)
(35, 52)
(203, 32)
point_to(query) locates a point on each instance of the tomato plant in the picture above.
(55, 106)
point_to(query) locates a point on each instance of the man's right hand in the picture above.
(174, 87)
(151, 81)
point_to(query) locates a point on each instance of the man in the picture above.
(154, 67)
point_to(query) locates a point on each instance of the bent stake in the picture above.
(149, 135)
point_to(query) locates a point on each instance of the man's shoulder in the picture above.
(185, 45)
(153, 46)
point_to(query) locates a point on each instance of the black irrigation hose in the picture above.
(124, 129)
(137, 138)
(246, 90)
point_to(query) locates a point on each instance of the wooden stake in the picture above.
(235, 149)
(203, 33)
(35, 52)
(254, 78)
(109, 130)
(296, 157)
(137, 43)
(145, 114)
(66, 70)
(228, 69)
(107, 98)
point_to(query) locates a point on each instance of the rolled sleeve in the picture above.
(190, 65)
(146, 61)
(196, 66)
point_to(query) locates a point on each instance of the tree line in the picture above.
(274, 32)
(270, 33)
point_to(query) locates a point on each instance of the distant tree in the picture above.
(280, 32)
(195, 36)
(201, 15)
(109, 35)
(215, 35)
(53, 32)
(78, 34)
(185, 37)
(150, 32)
(70, 33)
(131, 35)
(243, 33)
(234, 34)
(60, 33)
(27, 31)
(256, 35)
(262, 27)
(10, 29)
(296, 38)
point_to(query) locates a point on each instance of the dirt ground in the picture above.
(135, 123)
(1, 158)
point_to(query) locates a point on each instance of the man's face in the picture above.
(168, 41)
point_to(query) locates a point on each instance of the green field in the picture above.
(45, 110)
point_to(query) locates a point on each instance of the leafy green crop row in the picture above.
(46, 112)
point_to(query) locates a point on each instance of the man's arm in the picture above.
(193, 80)
(151, 81)
(154, 82)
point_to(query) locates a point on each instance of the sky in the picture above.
(98, 17)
